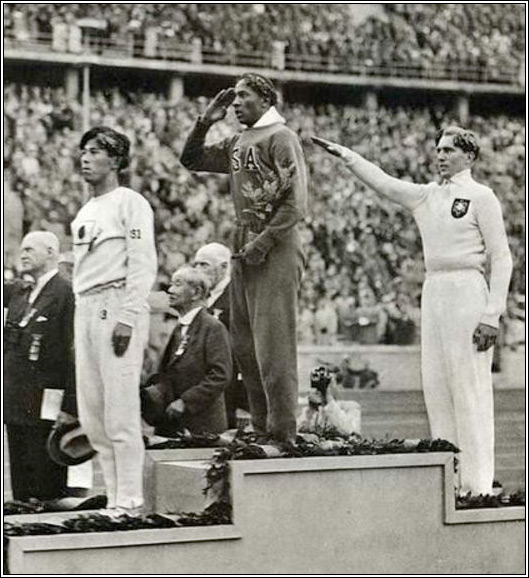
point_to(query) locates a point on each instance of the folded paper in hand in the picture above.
(51, 403)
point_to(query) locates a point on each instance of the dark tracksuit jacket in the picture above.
(269, 191)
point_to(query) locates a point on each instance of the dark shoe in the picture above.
(71, 503)
(262, 439)
(77, 492)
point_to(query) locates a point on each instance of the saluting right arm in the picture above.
(404, 193)
(213, 158)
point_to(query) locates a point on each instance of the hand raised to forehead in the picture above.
(218, 107)
(225, 97)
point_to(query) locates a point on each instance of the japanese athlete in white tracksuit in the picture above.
(115, 268)
(461, 227)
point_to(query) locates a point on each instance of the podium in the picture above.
(383, 514)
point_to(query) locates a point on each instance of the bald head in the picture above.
(214, 261)
(45, 239)
(39, 253)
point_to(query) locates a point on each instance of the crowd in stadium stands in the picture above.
(489, 38)
(364, 272)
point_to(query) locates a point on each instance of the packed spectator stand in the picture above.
(473, 42)
(364, 254)
(356, 242)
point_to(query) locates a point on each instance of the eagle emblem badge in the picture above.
(460, 208)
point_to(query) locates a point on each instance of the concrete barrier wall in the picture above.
(399, 366)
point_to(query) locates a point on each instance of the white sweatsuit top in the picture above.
(113, 243)
(460, 222)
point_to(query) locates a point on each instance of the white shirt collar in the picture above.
(217, 291)
(40, 283)
(460, 178)
(271, 116)
(189, 317)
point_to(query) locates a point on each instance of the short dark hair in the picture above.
(464, 139)
(261, 85)
(114, 142)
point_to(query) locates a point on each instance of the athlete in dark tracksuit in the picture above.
(269, 190)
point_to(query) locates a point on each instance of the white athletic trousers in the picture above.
(108, 396)
(457, 379)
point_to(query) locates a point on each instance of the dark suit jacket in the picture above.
(24, 379)
(198, 376)
(221, 308)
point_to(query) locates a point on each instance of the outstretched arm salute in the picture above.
(407, 194)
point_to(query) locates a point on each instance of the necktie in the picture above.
(28, 310)
(176, 338)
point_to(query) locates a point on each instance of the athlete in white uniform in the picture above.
(115, 268)
(462, 227)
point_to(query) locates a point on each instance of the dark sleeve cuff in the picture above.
(69, 404)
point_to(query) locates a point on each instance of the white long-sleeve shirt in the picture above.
(113, 242)
(460, 222)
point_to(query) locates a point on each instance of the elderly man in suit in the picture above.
(214, 261)
(39, 369)
(196, 367)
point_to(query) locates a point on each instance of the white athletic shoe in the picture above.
(119, 511)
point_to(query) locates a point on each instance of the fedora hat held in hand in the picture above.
(68, 445)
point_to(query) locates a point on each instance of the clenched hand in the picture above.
(484, 336)
(121, 338)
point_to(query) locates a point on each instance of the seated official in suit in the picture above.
(196, 367)
(214, 260)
